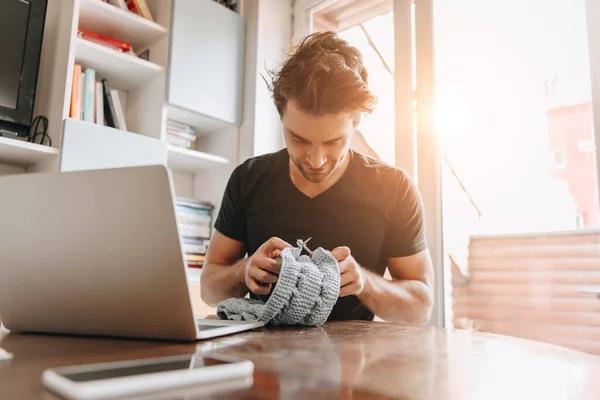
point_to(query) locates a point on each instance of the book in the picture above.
(88, 95)
(81, 94)
(179, 141)
(180, 127)
(105, 41)
(75, 108)
(118, 109)
(141, 8)
(110, 114)
(186, 201)
(194, 231)
(184, 135)
(99, 104)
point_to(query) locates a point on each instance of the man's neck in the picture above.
(311, 189)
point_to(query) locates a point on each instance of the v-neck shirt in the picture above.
(373, 209)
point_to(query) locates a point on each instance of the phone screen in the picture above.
(188, 362)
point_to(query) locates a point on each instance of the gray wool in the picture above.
(305, 292)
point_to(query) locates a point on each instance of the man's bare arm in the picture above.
(223, 270)
(408, 296)
(227, 274)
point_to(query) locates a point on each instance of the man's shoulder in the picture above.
(379, 172)
(259, 170)
(263, 163)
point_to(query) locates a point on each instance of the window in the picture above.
(559, 158)
(519, 186)
(516, 140)
(586, 146)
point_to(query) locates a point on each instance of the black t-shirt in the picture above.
(373, 209)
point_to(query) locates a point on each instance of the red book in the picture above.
(104, 40)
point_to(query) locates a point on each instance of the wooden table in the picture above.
(339, 360)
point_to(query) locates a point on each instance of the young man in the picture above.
(368, 214)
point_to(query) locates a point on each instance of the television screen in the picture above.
(14, 19)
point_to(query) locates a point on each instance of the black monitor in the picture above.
(21, 33)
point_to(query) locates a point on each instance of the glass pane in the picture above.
(520, 195)
(375, 39)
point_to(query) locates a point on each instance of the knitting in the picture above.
(305, 292)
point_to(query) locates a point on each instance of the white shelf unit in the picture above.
(201, 171)
(192, 161)
(147, 92)
(24, 154)
(150, 91)
(123, 71)
(108, 20)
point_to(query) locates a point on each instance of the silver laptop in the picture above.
(97, 252)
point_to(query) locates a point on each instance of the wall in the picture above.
(268, 36)
(9, 169)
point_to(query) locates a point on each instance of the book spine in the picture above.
(90, 81)
(99, 104)
(194, 218)
(118, 109)
(143, 9)
(110, 115)
(76, 92)
(184, 135)
(81, 95)
(196, 231)
(180, 126)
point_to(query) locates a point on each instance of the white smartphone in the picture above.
(127, 378)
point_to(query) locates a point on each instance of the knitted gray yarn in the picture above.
(305, 292)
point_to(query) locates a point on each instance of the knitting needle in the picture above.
(302, 243)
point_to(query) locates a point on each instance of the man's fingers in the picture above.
(344, 266)
(268, 264)
(348, 289)
(273, 244)
(262, 276)
(345, 279)
(341, 253)
(275, 254)
(257, 288)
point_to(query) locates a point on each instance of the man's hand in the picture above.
(352, 276)
(261, 270)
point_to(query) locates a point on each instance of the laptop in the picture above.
(97, 252)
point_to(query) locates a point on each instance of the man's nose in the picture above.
(316, 157)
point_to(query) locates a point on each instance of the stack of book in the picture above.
(94, 101)
(194, 219)
(180, 134)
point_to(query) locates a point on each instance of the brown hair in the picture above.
(323, 75)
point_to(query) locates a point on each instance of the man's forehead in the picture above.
(317, 128)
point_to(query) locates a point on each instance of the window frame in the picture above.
(416, 145)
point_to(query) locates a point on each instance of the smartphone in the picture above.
(127, 378)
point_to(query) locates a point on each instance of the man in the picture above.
(368, 214)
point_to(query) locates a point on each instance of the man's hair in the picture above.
(323, 75)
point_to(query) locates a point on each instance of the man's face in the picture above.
(316, 145)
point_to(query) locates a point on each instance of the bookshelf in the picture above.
(124, 71)
(206, 125)
(105, 19)
(191, 161)
(146, 87)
